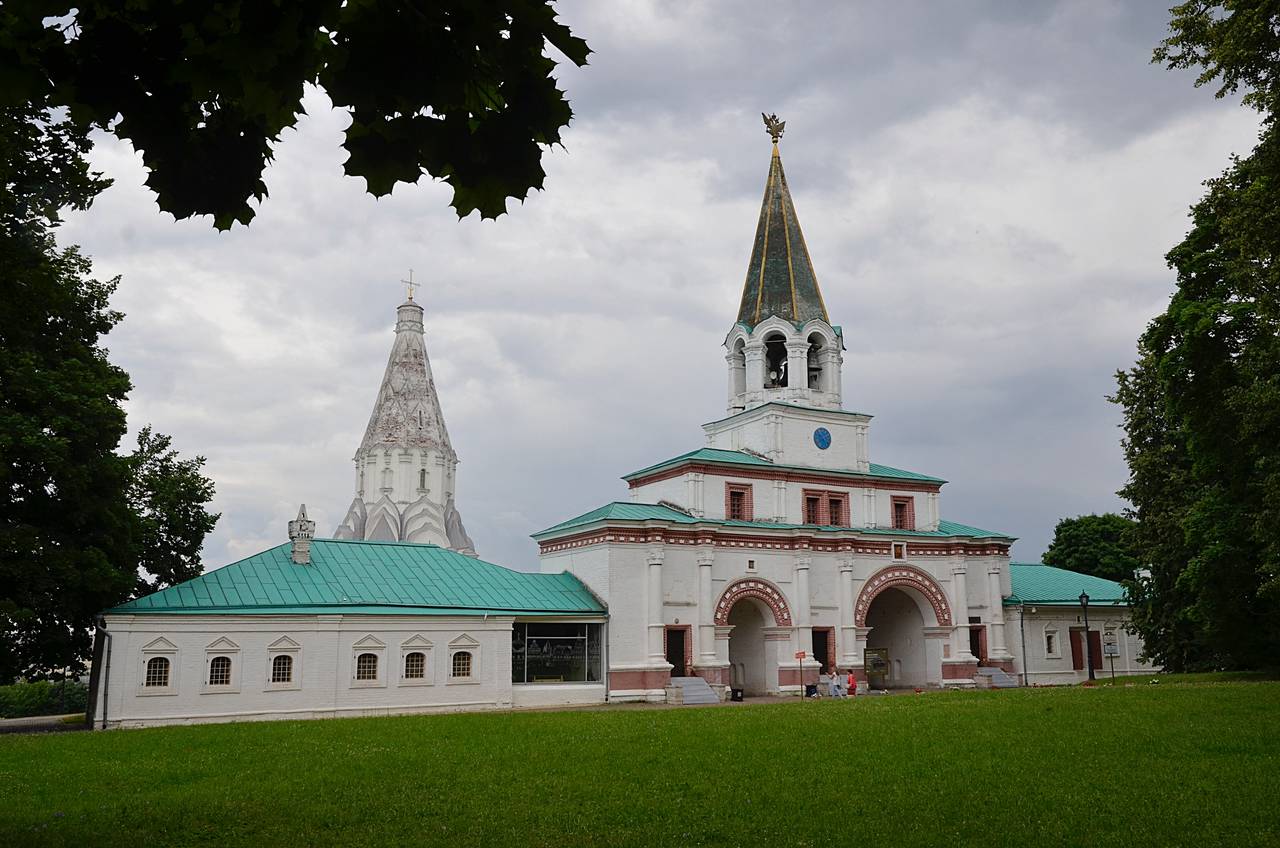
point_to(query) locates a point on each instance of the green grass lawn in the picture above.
(1146, 765)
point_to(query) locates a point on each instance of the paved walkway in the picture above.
(41, 724)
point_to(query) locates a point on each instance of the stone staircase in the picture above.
(692, 690)
(996, 678)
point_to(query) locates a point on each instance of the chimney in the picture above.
(301, 532)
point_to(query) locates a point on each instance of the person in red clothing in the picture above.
(853, 684)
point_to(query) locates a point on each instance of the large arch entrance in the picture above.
(747, 669)
(897, 630)
(907, 619)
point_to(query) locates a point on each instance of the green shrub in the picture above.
(43, 698)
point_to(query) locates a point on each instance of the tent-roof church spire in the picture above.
(780, 277)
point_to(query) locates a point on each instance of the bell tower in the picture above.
(783, 346)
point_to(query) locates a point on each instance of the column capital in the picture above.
(706, 558)
(655, 556)
(960, 569)
(846, 564)
(993, 570)
(804, 561)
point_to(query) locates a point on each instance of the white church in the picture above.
(773, 554)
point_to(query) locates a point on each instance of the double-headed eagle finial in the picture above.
(773, 126)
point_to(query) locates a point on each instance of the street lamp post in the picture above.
(1088, 654)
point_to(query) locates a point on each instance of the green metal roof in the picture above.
(716, 456)
(631, 511)
(370, 578)
(1036, 583)
(780, 279)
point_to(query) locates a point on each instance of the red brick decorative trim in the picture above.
(848, 479)
(959, 671)
(822, 541)
(824, 514)
(620, 681)
(902, 575)
(760, 589)
(748, 501)
(688, 643)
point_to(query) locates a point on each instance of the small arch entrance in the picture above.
(897, 628)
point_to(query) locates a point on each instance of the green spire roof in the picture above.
(780, 278)
(369, 578)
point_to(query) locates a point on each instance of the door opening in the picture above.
(675, 651)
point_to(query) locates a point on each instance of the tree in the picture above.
(1100, 545)
(459, 89)
(1202, 404)
(167, 496)
(76, 517)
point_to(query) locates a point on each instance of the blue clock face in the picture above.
(822, 438)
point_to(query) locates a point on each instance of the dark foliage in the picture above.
(459, 89)
(1101, 545)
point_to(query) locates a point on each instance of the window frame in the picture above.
(284, 645)
(369, 644)
(159, 648)
(746, 490)
(908, 503)
(1053, 652)
(895, 548)
(825, 498)
(463, 644)
(221, 647)
(416, 644)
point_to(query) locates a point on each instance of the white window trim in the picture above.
(295, 681)
(464, 643)
(893, 551)
(420, 645)
(1056, 654)
(232, 652)
(369, 645)
(170, 652)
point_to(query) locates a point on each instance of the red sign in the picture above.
(801, 655)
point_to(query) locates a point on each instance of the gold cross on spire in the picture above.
(409, 284)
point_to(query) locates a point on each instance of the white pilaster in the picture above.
(798, 369)
(754, 353)
(653, 606)
(960, 614)
(933, 511)
(848, 638)
(998, 649)
(706, 608)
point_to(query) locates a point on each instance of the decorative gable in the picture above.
(160, 644)
(417, 640)
(222, 643)
(284, 643)
(370, 641)
(463, 641)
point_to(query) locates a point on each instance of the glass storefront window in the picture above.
(556, 652)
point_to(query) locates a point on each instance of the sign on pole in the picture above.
(801, 655)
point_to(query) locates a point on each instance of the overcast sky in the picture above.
(987, 192)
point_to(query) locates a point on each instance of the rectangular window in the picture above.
(827, 508)
(899, 550)
(737, 502)
(556, 653)
(1051, 643)
(904, 513)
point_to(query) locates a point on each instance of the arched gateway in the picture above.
(759, 622)
(900, 607)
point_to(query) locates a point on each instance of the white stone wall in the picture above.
(1044, 668)
(628, 632)
(785, 435)
(324, 650)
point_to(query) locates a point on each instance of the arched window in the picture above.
(775, 362)
(415, 665)
(220, 671)
(461, 664)
(367, 667)
(282, 669)
(816, 344)
(157, 672)
(422, 478)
